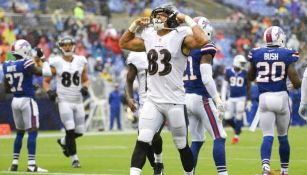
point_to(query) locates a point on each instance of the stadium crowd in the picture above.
(100, 43)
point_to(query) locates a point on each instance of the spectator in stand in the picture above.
(79, 11)
(243, 45)
(293, 42)
(8, 34)
(80, 49)
(43, 44)
(99, 65)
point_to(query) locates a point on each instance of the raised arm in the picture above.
(198, 38)
(129, 41)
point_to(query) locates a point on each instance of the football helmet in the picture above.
(67, 40)
(239, 61)
(171, 21)
(204, 23)
(274, 36)
(22, 48)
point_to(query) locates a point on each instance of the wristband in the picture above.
(133, 27)
(189, 21)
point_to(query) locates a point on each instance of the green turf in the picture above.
(110, 154)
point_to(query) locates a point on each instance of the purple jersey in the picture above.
(237, 82)
(192, 76)
(271, 65)
(19, 76)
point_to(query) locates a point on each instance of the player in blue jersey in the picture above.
(200, 91)
(239, 94)
(18, 80)
(270, 66)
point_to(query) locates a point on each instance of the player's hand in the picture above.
(303, 110)
(180, 17)
(143, 21)
(52, 95)
(132, 104)
(84, 91)
(38, 53)
(220, 106)
(248, 105)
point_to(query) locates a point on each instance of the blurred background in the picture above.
(97, 26)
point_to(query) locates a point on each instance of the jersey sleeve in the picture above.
(208, 49)
(294, 56)
(52, 61)
(28, 64)
(250, 55)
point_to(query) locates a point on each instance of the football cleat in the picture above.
(35, 168)
(158, 169)
(65, 152)
(235, 140)
(14, 167)
(76, 164)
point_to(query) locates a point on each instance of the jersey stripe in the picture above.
(269, 36)
(28, 63)
(211, 118)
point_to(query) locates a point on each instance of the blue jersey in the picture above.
(271, 67)
(192, 76)
(19, 76)
(237, 82)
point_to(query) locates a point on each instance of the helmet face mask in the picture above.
(239, 61)
(170, 12)
(67, 45)
(21, 48)
(274, 36)
(205, 24)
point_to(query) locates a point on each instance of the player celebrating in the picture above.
(137, 68)
(164, 43)
(200, 90)
(72, 82)
(270, 66)
(18, 80)
(239, 94)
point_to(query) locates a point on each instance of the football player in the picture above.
(18, 80)
(137, 68)
(201, 94)
(72, 83)
(239, 94)
(165, 43)
(270, 66)
(303, 105)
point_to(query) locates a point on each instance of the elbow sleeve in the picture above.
(46, 70)
(206, 76)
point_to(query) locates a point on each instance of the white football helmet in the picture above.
(67, 40)
(22, 48)
(274, 36)
(204, 23)
(239, 61)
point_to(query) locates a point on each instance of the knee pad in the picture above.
(145, 135)
(180, 137)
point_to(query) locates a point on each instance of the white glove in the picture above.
(302, 111)
(220, 106)
(248, 106)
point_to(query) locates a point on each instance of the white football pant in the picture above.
(203, 115)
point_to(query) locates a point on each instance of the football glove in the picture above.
(84, 91)
(248, 106)
(52, 95)
(220, 106)
(302, 111)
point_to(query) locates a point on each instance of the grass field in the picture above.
(110, 153)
